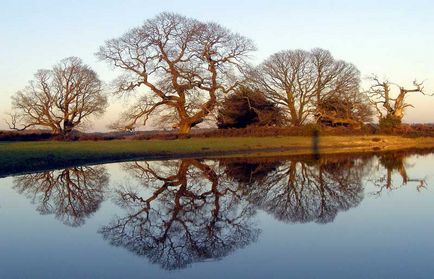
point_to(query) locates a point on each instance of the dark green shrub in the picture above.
(248, 107)
(389, 122)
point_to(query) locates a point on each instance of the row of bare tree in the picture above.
(182, 68)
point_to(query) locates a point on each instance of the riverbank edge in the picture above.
(26, 157)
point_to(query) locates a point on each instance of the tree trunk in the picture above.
(399, 113)
(184, 128)
(296, 122)
(67, 127)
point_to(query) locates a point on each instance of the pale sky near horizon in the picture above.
(390, 38)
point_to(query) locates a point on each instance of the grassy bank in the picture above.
(29, 156)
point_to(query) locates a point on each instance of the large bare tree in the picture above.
(184, 63)
(389, 98)
(299, 80)
(61, 98)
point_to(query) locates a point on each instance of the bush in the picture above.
(389, 122)
(248, 107)
(25, 135)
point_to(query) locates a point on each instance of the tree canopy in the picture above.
(185, 64)
(61, 98)
(299, 80)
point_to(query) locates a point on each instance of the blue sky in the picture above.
(390, 38)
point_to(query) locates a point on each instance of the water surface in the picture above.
(341, 216)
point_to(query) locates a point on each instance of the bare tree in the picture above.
(299, 80)
(61, 98)
(184, 63)
(388, 102)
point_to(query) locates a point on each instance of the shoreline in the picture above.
(25, 157)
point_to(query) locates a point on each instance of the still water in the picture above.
(346, 216)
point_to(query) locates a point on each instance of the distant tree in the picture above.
(247, 107)
(61, 98)
(390, 104)
(300, 80)
(186, 64)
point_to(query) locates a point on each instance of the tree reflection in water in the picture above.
(389, 164)
(178, 213)
(302, 190)
(71, 194)
(184, 211)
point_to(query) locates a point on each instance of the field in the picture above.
(19, 157)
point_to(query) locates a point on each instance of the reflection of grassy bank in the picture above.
(28, 156)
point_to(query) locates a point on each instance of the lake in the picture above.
(335, 216)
